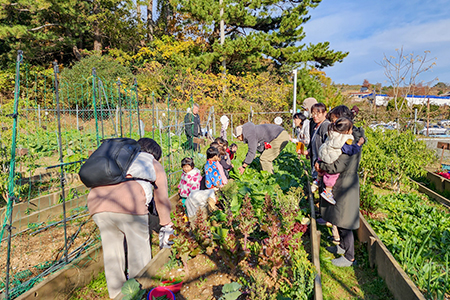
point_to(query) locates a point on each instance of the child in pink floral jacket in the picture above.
(190, 179)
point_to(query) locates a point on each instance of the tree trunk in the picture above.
(97, 37)
(139, 21)
(150, 23)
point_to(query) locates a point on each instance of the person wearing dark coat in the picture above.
(345, 213)
(192, 127)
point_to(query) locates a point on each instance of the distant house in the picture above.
(359, 96)
(383, 99)
(447, 94)
(364, 89)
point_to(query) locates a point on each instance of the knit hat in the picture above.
(308, 102)
(237, 131)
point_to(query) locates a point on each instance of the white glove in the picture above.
(164, 234)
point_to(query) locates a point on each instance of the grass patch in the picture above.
(358, 282)
(96, 289)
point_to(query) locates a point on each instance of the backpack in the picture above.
(109, 163)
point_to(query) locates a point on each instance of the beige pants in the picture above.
(269, 155)
(114, 227)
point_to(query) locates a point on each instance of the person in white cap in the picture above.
(223, 131)
(268, 139)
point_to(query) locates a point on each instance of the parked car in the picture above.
(435, 130)
(444, 122)
(383, 126)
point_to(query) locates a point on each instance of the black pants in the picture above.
(347, 243)
(191, 145)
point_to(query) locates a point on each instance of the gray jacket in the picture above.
(345, 213)
(256, 135)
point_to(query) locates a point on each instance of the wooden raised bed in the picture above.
(441, 183)
(80, 272)
(432, 194)
(34, 206)
(48, 208)
(397, 281)
(63, 282)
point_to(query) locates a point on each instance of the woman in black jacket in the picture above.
(345, 213)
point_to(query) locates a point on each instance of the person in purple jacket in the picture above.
(268, 139)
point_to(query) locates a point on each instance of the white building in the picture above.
(383, 99)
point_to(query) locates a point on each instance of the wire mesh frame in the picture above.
(50, 115)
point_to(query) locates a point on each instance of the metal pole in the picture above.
(294, 105)
(39, 115)
(129, 111)
(78, 125)
(137, 107)
(94, 75)
(153, 115)
(168, 132)
(12, 165)
(101, 107)
(117, 120)
(428, 115)
(231, 124)
(415, 121)
(61, 160)
(120, 107)
(214, 121)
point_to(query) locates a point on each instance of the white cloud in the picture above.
(378, 28)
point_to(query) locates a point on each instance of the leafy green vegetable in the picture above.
(418, 235)
(231, 291)
(132, 290)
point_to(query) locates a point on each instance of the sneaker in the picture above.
(328, 196)
(334, 240)
(314, 186)
(335, 250)
(343, 262)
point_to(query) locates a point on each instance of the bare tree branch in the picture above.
(43, 26)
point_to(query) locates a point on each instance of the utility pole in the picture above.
(294, 105)
(222, 41)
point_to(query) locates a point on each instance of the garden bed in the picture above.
(417, 233)
(256, 238)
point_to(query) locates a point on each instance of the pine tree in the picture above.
(55, 29)
(258, 33)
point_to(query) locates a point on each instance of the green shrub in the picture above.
(390, 157)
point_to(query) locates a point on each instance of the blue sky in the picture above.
(371, 29)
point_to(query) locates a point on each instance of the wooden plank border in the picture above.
(63, 282)
(315, 243)
(397, 281)
(432, 194)
(21, 210)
